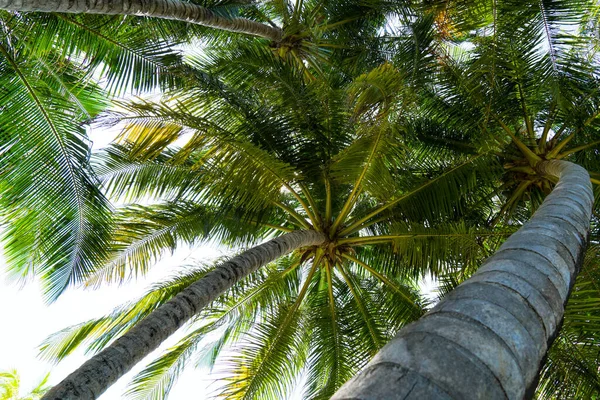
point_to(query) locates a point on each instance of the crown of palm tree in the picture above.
(268, 149)
(525, 88)
(49, 65)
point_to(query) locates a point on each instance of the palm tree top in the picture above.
(269, 151)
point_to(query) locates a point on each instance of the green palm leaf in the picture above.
(48, 189)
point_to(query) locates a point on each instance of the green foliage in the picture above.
(10, 387)
(406, 133)
(56, 220)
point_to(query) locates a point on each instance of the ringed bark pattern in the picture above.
(95, 376)
(167, 9)
(487, 338)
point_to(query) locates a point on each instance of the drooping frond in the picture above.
(415, 251)
(374, 332)
(232, 309)
(144, 234)
(330, 362)
(225, 165)
(428, 197)
(56, 220)
(128, 54)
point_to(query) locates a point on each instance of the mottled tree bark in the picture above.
(95, 376)
(487, 339)
(167, 9)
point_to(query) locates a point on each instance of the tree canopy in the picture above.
(408, 136)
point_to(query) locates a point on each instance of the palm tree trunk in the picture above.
(95, 376)
(167, 9)
(487, 339)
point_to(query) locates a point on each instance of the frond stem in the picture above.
(364, 240)
(333, 319)
(529, 155)
(277, 227)
(302, 204)
(528, 124)
(556, 150)
(327, 200)
(360, 304)
(513, 199)
(294, 214)
(578, 148)
(311, 202)
(547, 126)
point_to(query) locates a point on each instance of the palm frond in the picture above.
(55, 217)
(274, 351)
(329, 361)
(130, 55)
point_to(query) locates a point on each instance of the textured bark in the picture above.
(167, 9)
(487, 339)
(95, 376)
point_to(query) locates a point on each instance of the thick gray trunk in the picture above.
(91, 379)
(167, 9)
(487, 338)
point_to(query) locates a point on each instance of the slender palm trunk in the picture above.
(95, 376)
(167, 9)
(487, 339)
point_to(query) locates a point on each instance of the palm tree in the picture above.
(307, 206)
(10, 387)
(496, 326)
(48, 66)
(456, 114)
(271, 149)
(533, 100)
(301, 31)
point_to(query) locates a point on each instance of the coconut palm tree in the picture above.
(454, 120)
(50, 65)
(271, 150)
(356, 212)
(302, 32)
(528, 90)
